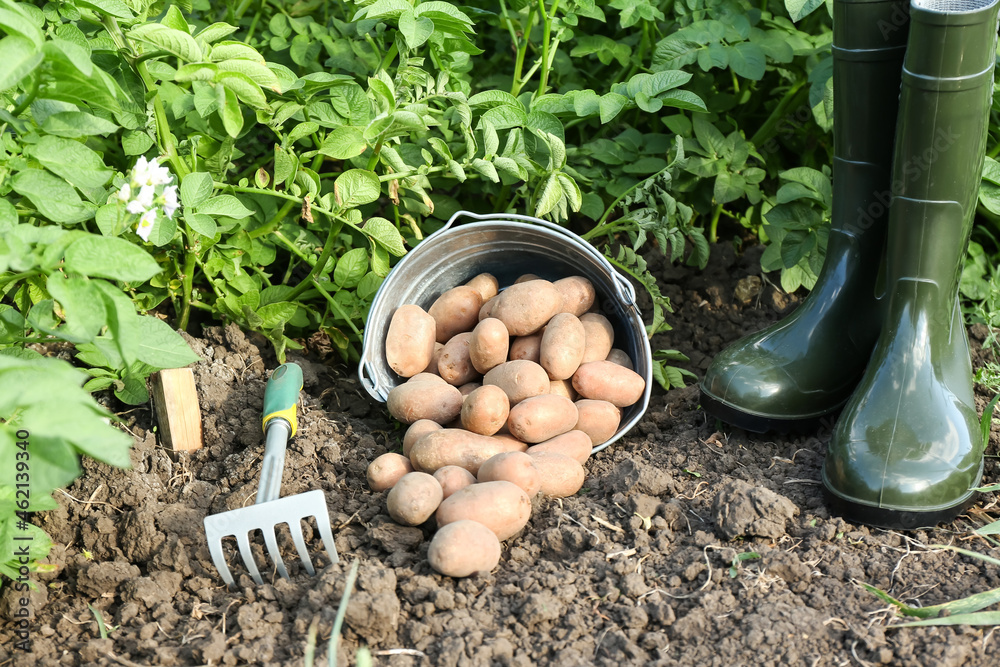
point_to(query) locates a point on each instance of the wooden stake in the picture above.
(175, 399)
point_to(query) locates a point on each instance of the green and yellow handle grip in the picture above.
(282, 394)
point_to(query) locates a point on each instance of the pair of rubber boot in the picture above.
(881, 336)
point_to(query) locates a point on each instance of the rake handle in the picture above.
(277, 434)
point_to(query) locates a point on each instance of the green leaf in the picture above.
(244, 87)
(416, 29)
(54, 198)
(17, 23)
(19, 57)
(176, 42)
(549, 196)
(386, 234)
(110, 257)
(201, 223)
(709, 136)
(225, 205)
(215, 32)
(505, 116)
(115, 8)
(254, 72)
(164, 230)
(276, 314)
(72, 160)
(747, 60)
(8, 215)
(75, 124)
(611, 105)
(799, 9)
(161, 346)
(196, 188)
(284, 165)
(683, 99)
(82, 305)
(486, 169)
(493, 98)
(136, 142)
(728, 187)
(344, 143)
(230, 112)
(356, 187)
(351, 268)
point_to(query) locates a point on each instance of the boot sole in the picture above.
(759, 423)
(893, 519)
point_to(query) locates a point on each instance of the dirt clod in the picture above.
(743, 509)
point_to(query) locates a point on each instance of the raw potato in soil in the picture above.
(633, 570)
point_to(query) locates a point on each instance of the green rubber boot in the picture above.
(795, 372)
(907, 451)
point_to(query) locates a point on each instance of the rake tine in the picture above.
(300, 545)
(272, 549)
(244, 542)
(323, 521)
(219, 558)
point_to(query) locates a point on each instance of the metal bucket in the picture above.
(507, 246)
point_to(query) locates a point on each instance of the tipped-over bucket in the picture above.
(507, 246)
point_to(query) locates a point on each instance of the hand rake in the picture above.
(280, 398)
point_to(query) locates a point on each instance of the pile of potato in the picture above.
(507, 394)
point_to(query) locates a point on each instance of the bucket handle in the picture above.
(624, 289)
(369, 379)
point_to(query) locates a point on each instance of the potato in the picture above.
(417, 430)
(469, 387)
(488, 344)
(600, 337)
(564, 340)
(501, 506)
(577, 294)
(485, 410)
(438, 401)
(487, 308)
(486, 284)
(526, 278)
(453, 478)
(409, 344)
(456, 311)
(454, 365)
(598, 419)
(524, 308)
(426, 377)
(414, 499)
(575, 444)
(561, 476)
(620, 357)
(512, 443)
(527, 347)
(386, 470)
(563, 388)
(463, 548)
(519, 379)
(607, 381)
(454, 446)
(513, 467)
(432, 367)
(539, 418)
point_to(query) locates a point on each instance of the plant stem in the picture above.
(319, 265)
(19, 276)
(601, 228)
(29, 96)
(522, 50)
(186, 285)
(336, 306)
(713, 226)
(770, 126)
(273, 223)
(543, 80)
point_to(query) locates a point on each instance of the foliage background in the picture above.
(314, 142)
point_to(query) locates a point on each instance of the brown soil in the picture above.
(635, 570)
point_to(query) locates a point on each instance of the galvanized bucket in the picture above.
(507, 246)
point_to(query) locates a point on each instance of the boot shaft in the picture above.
(947, 91)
